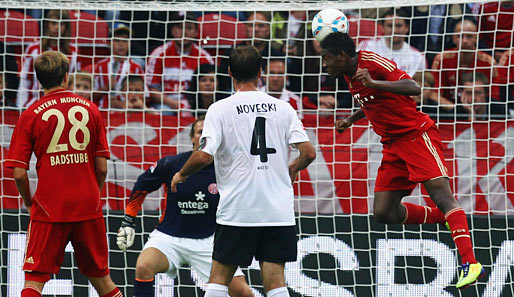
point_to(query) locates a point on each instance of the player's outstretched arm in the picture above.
(22, 184)
(341, 125)
(196, 162)
(307, 155)
(147, 182)
(407, 87)
(100, 171)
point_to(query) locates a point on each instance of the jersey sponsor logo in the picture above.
(362, 100)
(213, 189)
(200, 196)
(194, 207)
(259, 107)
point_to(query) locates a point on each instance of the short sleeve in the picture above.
(102, 147)
(211, 134)
(296, 131)
(21, 147)
(383, 68)
(394, 74)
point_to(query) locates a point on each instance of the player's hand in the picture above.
(29, 209)
(341, 125)
(327, 102)
(363, 76)
(126, 233)
(177, 179)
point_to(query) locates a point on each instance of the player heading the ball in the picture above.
(412, 148)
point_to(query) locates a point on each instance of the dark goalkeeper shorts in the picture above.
(238, 245)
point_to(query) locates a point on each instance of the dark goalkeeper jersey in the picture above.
(191, 211)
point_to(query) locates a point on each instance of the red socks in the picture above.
(417, 214)
(114, 293)
(30, 292)
(458, 222)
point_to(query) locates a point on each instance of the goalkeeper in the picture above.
(184, 234)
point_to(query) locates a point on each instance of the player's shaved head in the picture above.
(51, 67)
(245, 63)
(338, 42)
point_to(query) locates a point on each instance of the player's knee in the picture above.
(144, 270)
(382, 215)
(242, 292)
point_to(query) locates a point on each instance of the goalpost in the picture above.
(342, 250)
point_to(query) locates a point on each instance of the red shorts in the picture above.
(47, 241)
(406, 162)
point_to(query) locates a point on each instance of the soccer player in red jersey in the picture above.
(68, 138)
(412, 149)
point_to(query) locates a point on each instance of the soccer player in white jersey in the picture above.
(248, 136)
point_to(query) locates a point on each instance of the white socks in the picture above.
(278, 292)
(215, 290)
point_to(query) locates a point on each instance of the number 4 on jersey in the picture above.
(259, 140)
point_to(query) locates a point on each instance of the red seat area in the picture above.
(361, 30)
(220, 31)
(91, 37)
(88, 28)
(17, 28)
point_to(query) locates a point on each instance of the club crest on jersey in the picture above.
(213, 189)
(152, 168)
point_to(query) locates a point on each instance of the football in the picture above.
(327, 21)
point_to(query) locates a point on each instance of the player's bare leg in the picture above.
(150, 262)
(105, 286)
(440, 192)
(239, 288)
(32, 289)
(387, 207)
(220, 278)
(273, 279)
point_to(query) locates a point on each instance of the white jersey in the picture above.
(407, 58)
(249, 134)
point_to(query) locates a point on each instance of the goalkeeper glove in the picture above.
(126, 233)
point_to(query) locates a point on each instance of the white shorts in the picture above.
(196, 253)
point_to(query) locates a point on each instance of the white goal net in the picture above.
(460, 52)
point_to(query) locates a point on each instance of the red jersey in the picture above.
(170, 71)
(66, 133)
(449, 71)
(393, 116)
(29, 91)
(106, 68)
(496, 25)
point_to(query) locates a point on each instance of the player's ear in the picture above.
(260, 73)
(229, 71)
